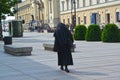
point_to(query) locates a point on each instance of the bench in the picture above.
(50, 47)
(17, 50)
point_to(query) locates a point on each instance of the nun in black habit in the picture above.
(62, 44)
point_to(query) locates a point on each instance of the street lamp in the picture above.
(74, 13)
(73, 2)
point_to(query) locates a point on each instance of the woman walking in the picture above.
(63, 43)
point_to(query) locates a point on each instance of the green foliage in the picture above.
(19, 1)
(93, 33)
(80, 32)
(111, 33)
(6, 8)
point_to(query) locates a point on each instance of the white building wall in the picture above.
(102, 8)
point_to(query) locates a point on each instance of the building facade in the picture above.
(90, 11)
(51, 12)
(24, 12)
(29, 11)
(40, 11)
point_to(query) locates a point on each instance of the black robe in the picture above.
(62, 44)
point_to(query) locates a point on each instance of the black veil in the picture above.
(62, 34)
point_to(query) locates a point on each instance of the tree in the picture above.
(93, 33)
(80, 31)
(111, 33)
(7, 7)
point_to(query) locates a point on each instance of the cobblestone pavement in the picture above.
(92, 61)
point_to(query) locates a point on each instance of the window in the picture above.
(63, 5)
(90, 2)
(85, 20)
(78, 3)
(108, 18)
(98, 1)
(106, 0)
(78, 20)
(83, 3)
(71, 4)
(68, 20)
(64, 21)
(117, 16)
(93, 18)
(67, 4)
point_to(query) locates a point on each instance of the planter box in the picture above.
(50, 47)
(17, 50)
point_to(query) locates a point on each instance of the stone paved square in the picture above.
(92, 61)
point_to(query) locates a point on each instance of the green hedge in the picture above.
(80, 31)
(110, 33)
(93, 33)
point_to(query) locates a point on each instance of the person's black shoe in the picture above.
(61, 68)
(67, 70)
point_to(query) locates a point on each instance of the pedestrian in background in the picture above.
(63, 43)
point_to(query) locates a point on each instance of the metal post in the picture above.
(39, 11)
(17, 10)
(71, 11)
(73, 17)
(74, 22)
(71, 26)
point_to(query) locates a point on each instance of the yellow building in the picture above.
(51, 12)
(30, 10)
(42, 11)
(24, 12)
(90, 11)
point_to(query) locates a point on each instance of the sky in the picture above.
(10, 18)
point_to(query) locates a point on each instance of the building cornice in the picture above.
(24, 7)
(101, 5)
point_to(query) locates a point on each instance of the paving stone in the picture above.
(92, 61)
